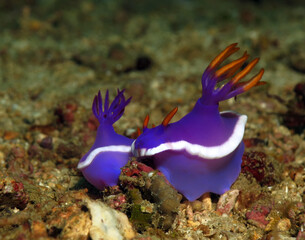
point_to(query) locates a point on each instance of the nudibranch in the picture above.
(101, 166)
(202, 152)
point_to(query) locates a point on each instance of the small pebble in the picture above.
(18, 152)
(47, 143)
(38, 229)
(283, 225)
(197, 205)
(9, 135)
(206, 201)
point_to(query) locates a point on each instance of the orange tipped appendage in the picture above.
(211, 77)
(223, 55)
(254, 81)
(245, 71)
(145, 123)
(230, 69)
(169, 117)
(139, 131)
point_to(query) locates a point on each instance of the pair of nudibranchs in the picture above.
(202, 152)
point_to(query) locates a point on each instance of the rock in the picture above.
(76, 227)
(12, 194)
(38, 229)
(257, 165)
(301, 235)
(257, 216)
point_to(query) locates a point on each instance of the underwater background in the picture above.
(56, 55)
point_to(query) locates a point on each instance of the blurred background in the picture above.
(51, 51)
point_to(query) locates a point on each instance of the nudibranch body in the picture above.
(202, 152)
(101, 166)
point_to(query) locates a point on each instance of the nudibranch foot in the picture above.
(101, 166)
(105, 169)
(202, 152)
(193, 177)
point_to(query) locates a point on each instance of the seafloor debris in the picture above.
(153, 202)
(257, 216)
(12, 193)
(227, 201)
(65, 113)
(294, 118)
(256, 164)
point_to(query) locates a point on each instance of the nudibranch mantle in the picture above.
(202, 152)
(92, 155)
(101, 166)
(224, 139)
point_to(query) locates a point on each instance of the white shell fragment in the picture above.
(107, 223)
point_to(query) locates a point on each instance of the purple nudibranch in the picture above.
(101, 166)
(202, 152)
